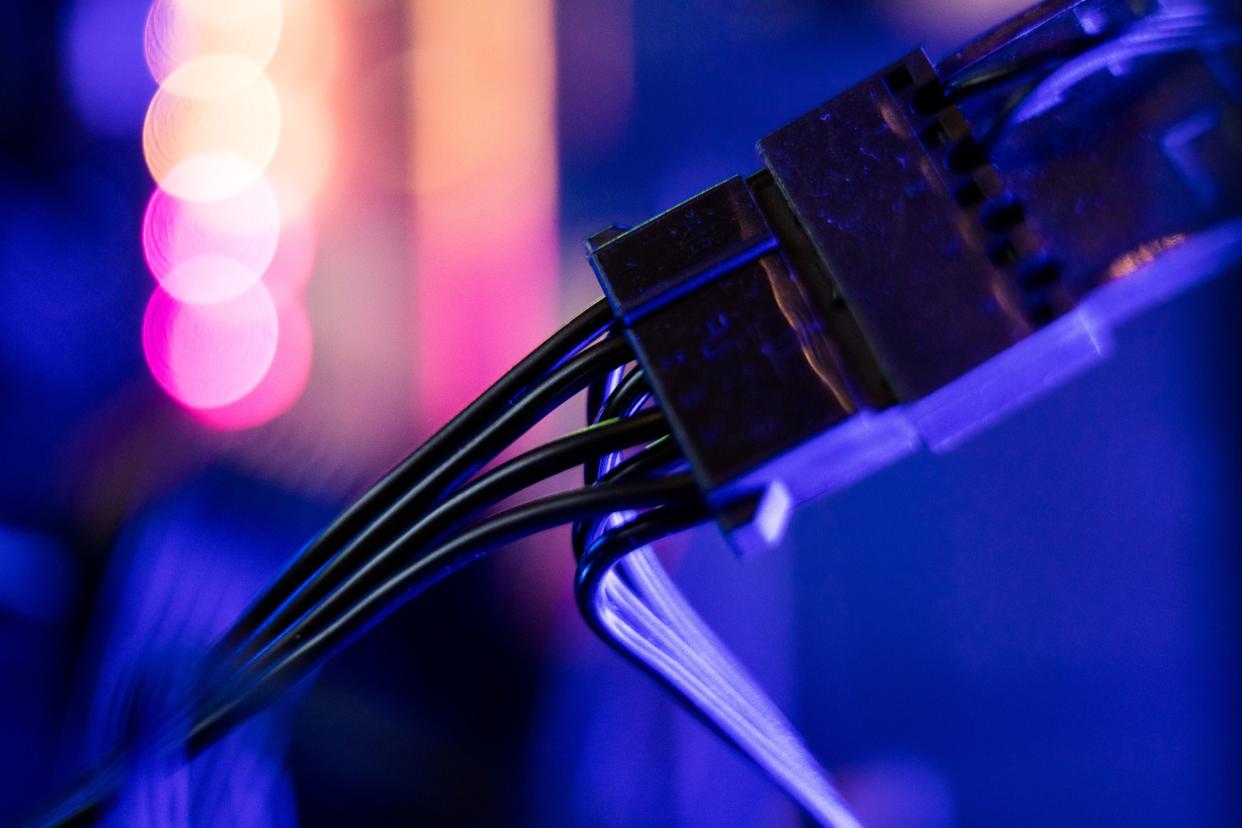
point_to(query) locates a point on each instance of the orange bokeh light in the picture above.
(221, 104)
(179, 31)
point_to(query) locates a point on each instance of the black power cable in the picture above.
(1165, 35)
(628, 396)
(661, 456)
(543, 380)
(506, 480)
(423, 493)
(967, 83)
(605, 553)
(613, 545)
(377, 590)
(577, 334)
(328, 628)
(598, 392)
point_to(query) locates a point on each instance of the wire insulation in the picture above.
(423, 493)
(360, 603)
(565, 343)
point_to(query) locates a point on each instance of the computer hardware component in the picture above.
(918, 256)
(929, 249)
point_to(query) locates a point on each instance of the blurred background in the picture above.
(253, 251)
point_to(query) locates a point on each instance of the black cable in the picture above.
(628, 396)
(310, 642)
(605, 553)
(579, 332)
(962, 86)
(597, 397)
(598, 392)
(608, 550)
(1004, 115)
(659, 456)
(82, 805)
(506, 480)
(966, 83)
(991, 134)
(583, 446)
(477, 449)
(521, 412)
(1034, 68)
(530, 377)
(308, 645)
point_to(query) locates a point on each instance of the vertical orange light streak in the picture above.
(484, 182)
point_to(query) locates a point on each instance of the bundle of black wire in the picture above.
(420, 522)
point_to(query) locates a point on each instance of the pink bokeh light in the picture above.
(206, 280)
(209, 251)
(280, 387)
(208, 356)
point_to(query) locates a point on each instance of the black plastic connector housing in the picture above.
(738, 347)
(853, 299)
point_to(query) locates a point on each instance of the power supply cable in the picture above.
(529, 372)
(362, 602)
(408, 506)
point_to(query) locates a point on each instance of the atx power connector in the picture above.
(932, 248)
